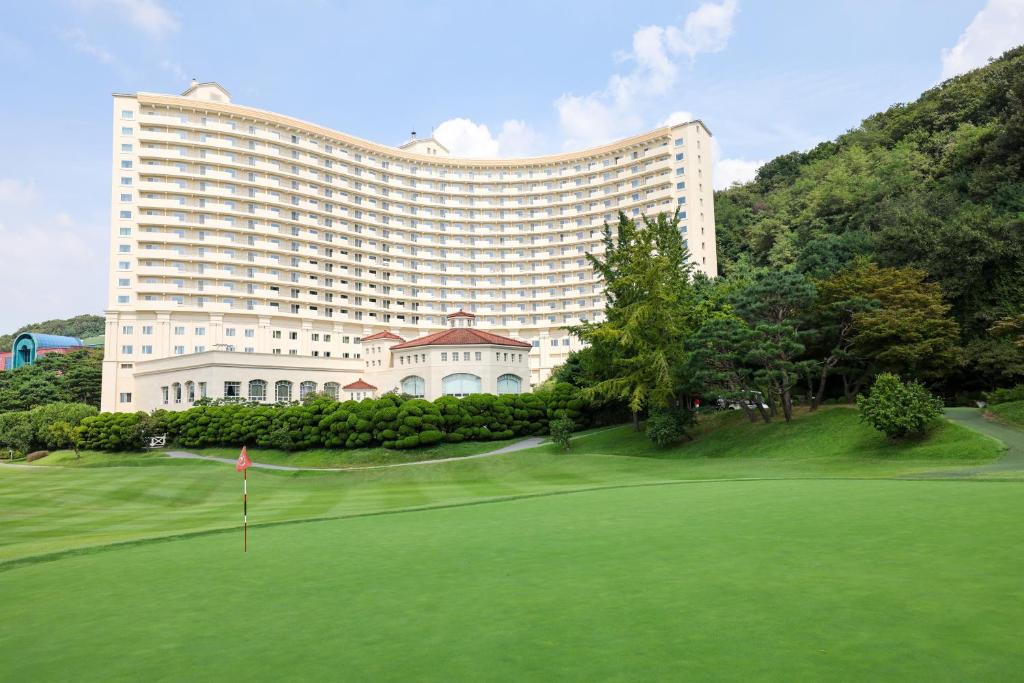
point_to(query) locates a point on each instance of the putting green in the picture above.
(783, 580)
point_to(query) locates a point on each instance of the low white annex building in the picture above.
(458, 361)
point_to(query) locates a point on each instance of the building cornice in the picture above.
(400, 154)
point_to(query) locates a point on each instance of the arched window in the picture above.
(190, 391)
(176, 390)
(257, 390)
(510, 384)
(461, 384)
(283, 391)
(306, 388)
(332, 389)
(414, 386)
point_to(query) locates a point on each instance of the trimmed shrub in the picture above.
(561, 431)
(667, 426)
(36, 455)
(898, 408)
(392, 421)
(1015, 393)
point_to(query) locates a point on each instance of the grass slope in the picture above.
(779, 580)
(54, 509)
(1012, 412)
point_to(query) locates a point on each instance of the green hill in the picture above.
(81, 326)
(936, 184)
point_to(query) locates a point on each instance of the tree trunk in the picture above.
(816, 401)
(749, 413)
(787, 405)
(846, 389)
(636, 421)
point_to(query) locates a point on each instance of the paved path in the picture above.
(517, 446)
(522, 445)
(972, 418)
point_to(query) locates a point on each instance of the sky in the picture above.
(488, 78)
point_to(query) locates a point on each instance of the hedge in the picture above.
(390, 421)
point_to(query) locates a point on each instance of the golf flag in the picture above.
(243, 461)
(243, 466)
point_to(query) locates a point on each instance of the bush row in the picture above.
(391, 421)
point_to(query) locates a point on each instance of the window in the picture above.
(176, 391)
(127, 130)
(126, 349)
(202, 390)
(147, 350)
(165, 392)
(461, 384)
(179, 350)
(190, 392)
(306, 388)
(332, 389)
(125, 214)
(414, 386)
(127, 114)
(283, 391)
(127, 329)
(232, 389)
(257, 390)
(147, 329)
(509, 384)
(444, 355)
(679, 142)
(478, 356)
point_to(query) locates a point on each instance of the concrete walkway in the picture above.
(512, 447)
(1011, 437)
(529, 442)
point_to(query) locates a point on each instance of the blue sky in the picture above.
(494, 78)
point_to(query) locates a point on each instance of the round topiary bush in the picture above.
(897, 408)
(667, 426)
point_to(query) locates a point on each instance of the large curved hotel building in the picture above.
(257, 256)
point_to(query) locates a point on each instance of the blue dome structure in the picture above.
(29, 345)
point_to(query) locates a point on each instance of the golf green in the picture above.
(810, 551)
(784, 580)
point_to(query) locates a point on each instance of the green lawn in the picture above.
(645, 568)
(1012, 412)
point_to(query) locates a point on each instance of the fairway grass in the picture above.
(780, 580)
(781, 552)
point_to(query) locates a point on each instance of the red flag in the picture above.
(243, 461)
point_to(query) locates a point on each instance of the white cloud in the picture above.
(618, 109)
(465, 138)
(998, 27)
(727, 172)
(149, 16)
(77, 39)
(13, 191)
(174, 69)
(677, 117)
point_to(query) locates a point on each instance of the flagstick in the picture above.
(245, 510)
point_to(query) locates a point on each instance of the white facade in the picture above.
(235, 229)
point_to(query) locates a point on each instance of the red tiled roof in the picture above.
(359, 384)
(383, 335)
(460, 336)
(460, 314)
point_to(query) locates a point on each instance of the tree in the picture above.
(650, 310)
(905, 328)
(898, 408)
(561, 431)
(63, 435)
(775, 305)
(718, 362)
(16, 432)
